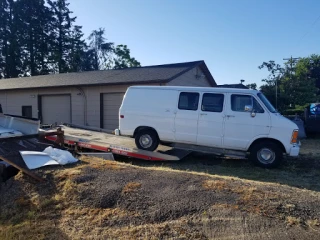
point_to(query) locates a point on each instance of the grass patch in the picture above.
(215, 185)
(100, 164)
(313, 223)
(131, 187)
(242, 205)
(292, 221)
(47, 203)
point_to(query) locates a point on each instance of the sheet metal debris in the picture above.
(21, 134)
(50, 156)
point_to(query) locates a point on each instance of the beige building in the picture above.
(91, 98)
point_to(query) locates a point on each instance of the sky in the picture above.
(233, 37)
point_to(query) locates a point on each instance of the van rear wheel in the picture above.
(266, 154)
(147, 140)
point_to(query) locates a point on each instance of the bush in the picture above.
(293, 112)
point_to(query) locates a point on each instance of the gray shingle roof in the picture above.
(237, 85)
(140, 75)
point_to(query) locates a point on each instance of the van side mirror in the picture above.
(248, 108)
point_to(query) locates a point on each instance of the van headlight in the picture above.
(294, 137)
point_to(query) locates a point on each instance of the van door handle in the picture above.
(230, 116)
(203, 114)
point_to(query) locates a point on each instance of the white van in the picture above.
(224, 120)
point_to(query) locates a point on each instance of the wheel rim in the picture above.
(145, 141)
(266, 155)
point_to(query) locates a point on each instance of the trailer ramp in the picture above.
(83, 140)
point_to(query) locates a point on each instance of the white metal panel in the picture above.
(241, 128)
(186, 118)
(111, 105)
(211, 120)
(56, 109)
(153, 108)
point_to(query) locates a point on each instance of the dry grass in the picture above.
(69, 173)
(23, 202)
(131, 187)
(99, 163)
(215, 185)
(292, 221)
(313, 223)
(56, 216)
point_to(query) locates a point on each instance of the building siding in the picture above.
(93, 99)
(190, 79)
(13, 100)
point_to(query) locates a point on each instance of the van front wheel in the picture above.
(266, 154)
(147, 140)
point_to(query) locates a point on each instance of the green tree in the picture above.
(252, 86)
(4, 16)
(310, 68)
(295, 81)
(78, 48)
(39, 37)
(61, 32)
(35, 18)
(300, 81)
(271, 89)
(123, 59)
(11, 59)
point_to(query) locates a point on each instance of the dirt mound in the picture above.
(161, 196)
(115, 200)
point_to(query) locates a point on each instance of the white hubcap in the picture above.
(266, 155)
(145, 141)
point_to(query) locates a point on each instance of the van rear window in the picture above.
(188, 101)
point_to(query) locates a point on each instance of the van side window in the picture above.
(188, 101)
(238, 103)
(212, 102)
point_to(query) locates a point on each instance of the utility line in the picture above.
(306, 33)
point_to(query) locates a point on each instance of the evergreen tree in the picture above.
(4, 16)
(11, 59)
(62, 30)
(39, 37)
(35, 19)
(123, 58)
(78, 48)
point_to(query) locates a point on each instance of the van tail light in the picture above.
(121, 116)
(294, 138)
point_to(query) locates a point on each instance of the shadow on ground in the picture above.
(25, 214)
(302, 172)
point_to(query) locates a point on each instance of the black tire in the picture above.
(263, 150)
(147, 134)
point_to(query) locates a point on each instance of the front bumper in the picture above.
(294, 150)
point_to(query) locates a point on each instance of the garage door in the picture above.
(111, 105)
(56, 109)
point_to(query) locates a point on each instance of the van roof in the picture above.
(200, 89)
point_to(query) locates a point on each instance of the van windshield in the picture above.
(267, 103)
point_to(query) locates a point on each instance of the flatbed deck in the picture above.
(119, 145)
